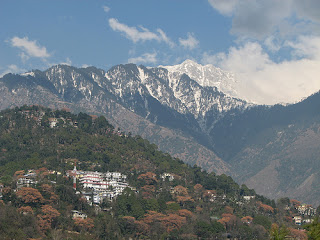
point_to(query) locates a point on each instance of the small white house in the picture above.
(53, 122)
(168, 176)
(78, 214)
(297, 220)
(248, 198)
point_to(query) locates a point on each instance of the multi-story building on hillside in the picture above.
(98, 186)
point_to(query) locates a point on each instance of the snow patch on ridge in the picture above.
(142, 75)
(28, 74)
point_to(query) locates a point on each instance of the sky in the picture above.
(272, 46)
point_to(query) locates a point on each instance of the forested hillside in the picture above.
(165, 198)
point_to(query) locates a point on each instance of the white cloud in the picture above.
(225, 7)
(308, 9)
(24, 57)
(190, 42)
(29, 48)
(165, 38)
(264, 81)
(11, 69)
(272, 44)
(135, 35)
(106, 9)
(145, 58)
(250, 57)
(66, 62)
(306, 47)
(259, 19)
(272, 27)
(85, 65)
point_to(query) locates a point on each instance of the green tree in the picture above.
(127, 204)
(313, 229)
(277, 233)
(263, 221)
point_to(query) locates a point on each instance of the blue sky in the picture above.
(271, 46)
(80, 32)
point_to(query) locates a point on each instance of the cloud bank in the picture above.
(267, 30)
(264, 81)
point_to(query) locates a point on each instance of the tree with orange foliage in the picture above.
(180, 191)
(30, 196)
(48, 194)
(18, 174)
(49, 212)
(152, 216)
(185, 213)
(147, 191)
(295, 203)
(141, 228)
(138, 227)
(228, 220)
(148, 178)
(43, 224)
(247, 219)
(170, 221)
(46, 188)
(265, 207)
(173, 221)
(183, 199)
(298, 234)
(149, 188)
(198, 188)
(181, 195)
(84, 224)
(41, 170)
(228, 209)
(25, 210)
(47, 217)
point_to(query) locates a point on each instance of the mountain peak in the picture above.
(207, 76)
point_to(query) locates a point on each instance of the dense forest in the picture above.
(193, 204)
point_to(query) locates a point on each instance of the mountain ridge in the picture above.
(201, 125)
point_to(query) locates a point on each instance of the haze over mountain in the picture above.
(274, 149)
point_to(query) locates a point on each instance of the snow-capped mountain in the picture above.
(137, 99)
(207, 75)
(176, 90)
(159, 95)
(166, 98)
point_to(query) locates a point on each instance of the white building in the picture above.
(100, 185)
(248, 198)
(25, 182)
(168, 176)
